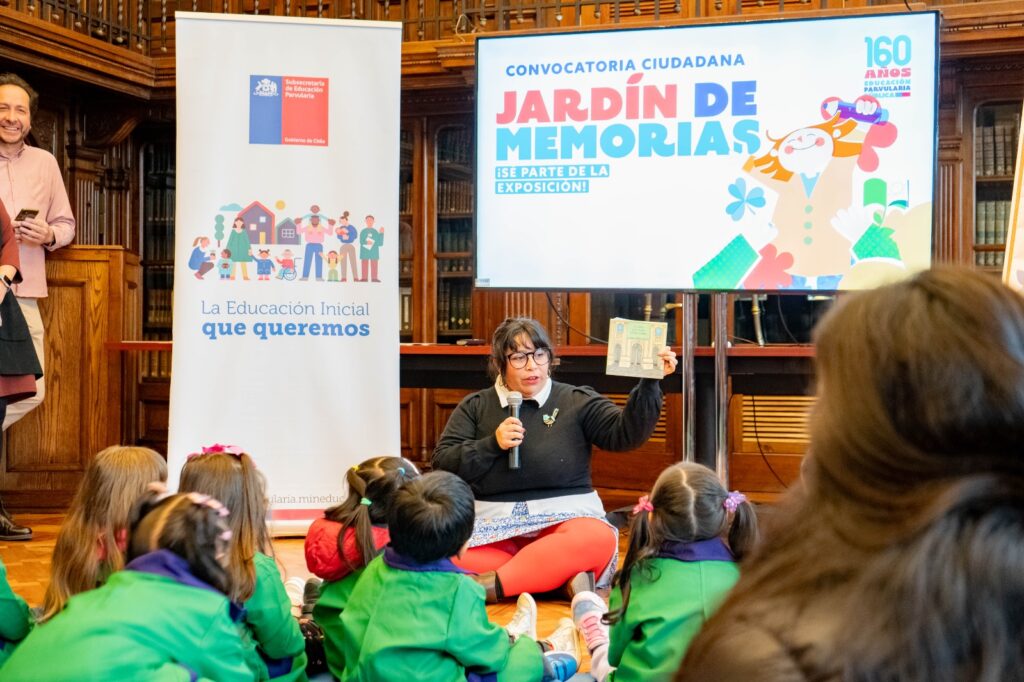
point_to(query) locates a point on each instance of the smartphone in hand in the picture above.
(26, 213)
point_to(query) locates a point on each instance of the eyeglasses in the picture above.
(541, 356)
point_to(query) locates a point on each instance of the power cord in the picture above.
(757, 439)
(561, 319)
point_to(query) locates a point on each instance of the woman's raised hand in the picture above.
(668, 360)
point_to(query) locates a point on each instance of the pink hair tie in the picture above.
(643, 504)
(218, 449)
(733, 500)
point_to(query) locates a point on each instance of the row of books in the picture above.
(454, 306)
(455, 145)
(996, 154)
(990, 220)
(455, 238)
(405, 310)
(989, 259)
(159, 161)
(404, 195)
(455, 265)
(454, 196)
(155, 364)
(159, 306)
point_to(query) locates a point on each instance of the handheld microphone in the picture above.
(515, 399)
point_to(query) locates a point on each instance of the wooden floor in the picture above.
(28, 565)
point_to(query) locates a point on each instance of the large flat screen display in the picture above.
(771, 156)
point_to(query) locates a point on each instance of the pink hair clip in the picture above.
(643, 504)
(207, 501)
(733, 500)
(218, 449)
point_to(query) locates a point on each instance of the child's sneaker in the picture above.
(587, 610)
(524, 620)
(559, 665)
(565, 640)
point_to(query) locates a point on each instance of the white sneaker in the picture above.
(564, 639)
(587, 610)
(524, 620)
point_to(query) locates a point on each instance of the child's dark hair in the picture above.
(376, 480)
(431, 518)
(687, 504)
(193, 526)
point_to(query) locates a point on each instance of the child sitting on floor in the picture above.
(166, 616)
(228, 474)
(415, 611)
(676, 572)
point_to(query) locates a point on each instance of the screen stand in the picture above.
(689, 392)
(720, 303)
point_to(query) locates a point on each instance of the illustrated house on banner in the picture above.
(287, 233)
(259, 221)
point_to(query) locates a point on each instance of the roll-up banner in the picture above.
(285, 268)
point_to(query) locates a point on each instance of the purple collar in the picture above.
(164, 562)
(702, 550)
(404, 563)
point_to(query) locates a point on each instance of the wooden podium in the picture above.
(93, 299)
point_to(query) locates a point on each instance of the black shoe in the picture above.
(310, 595)
(9, 530)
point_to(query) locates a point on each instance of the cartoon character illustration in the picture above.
(370, 241)
(287, 263)
(240, 248)
(264, 266)
(332, 265)
(200, 261)
(314, 234)
(224, 265)
(817, 231)
(347, 251)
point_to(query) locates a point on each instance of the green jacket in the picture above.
(670, 599)
(275, 631)
(334, 595)
(151, 621)
(15, 618)
(405, 621)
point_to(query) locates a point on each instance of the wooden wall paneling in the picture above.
(47, 450)
(948, 232)
(439, 405)
(638, 469)
(411, 420)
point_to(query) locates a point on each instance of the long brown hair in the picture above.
(688, 503)
(912, 508)
(239, 485)
(87, 548)
(376, 480)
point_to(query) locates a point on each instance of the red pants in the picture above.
(547, 561)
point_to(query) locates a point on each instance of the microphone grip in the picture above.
(513, 454)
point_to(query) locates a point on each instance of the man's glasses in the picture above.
(541, 356)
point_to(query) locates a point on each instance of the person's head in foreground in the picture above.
(431, 517)
(901, 555)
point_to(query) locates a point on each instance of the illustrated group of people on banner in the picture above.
(314, 231)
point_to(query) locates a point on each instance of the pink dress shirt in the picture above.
(31, 179)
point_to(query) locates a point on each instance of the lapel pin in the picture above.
(549, 419)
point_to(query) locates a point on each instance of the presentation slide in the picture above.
(782, 155)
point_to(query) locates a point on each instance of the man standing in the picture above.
(30, 180)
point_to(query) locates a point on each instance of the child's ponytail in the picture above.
(643, 543)
(743, 533)
(371, 485)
